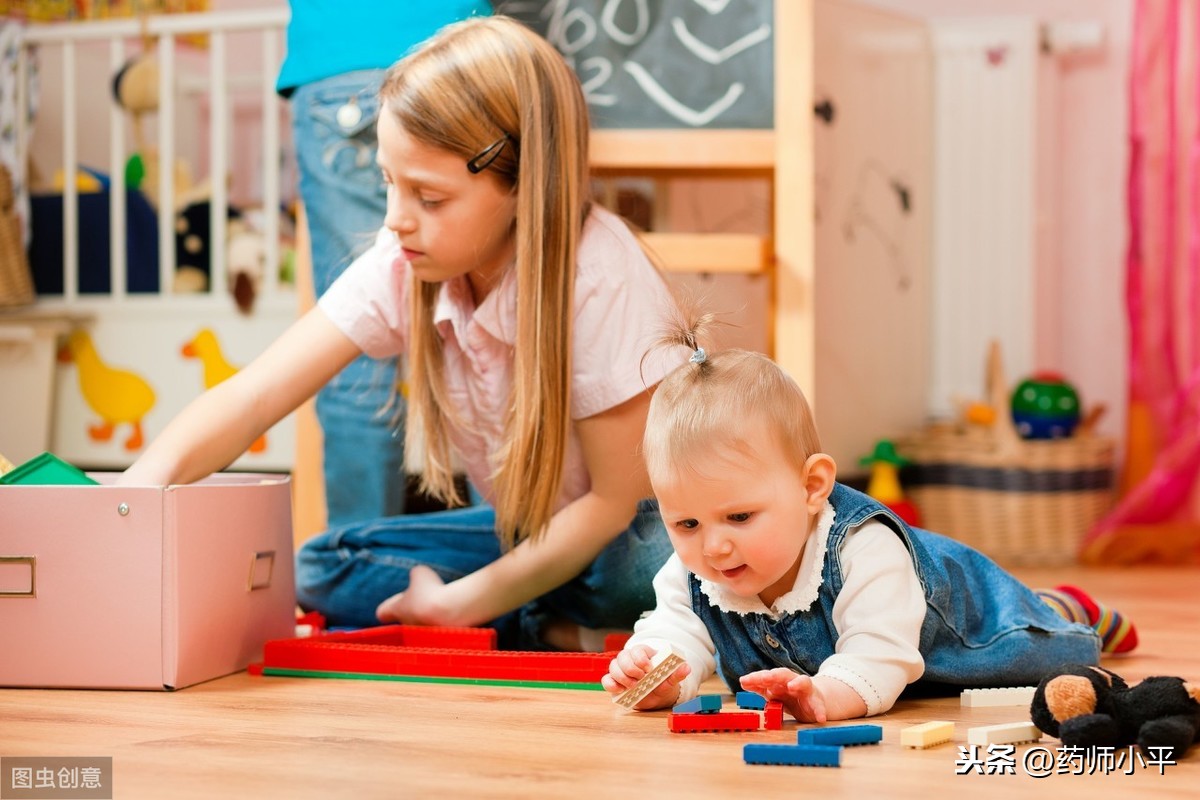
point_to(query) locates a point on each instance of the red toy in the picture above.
(450, 655)
(721, 721)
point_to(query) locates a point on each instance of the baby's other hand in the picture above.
(800, 696)
(630, 666)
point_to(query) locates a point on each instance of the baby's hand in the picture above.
(630, 666)
(800, 696)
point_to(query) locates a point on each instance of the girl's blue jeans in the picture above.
(348, 571)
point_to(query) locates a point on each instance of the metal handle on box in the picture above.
(269, 556)
(31, 561)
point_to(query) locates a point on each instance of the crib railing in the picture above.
(62, 39)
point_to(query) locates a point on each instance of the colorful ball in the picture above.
(1045, 406)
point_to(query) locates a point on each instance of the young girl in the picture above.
(521, 308)
(803, 589)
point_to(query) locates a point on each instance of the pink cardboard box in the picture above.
(146, 587)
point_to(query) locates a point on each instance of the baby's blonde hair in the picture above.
(475, 84)
(713, 401)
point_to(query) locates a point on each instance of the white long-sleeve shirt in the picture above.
(877, 615)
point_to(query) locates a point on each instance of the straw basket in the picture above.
(1022, 502)
(16, 285)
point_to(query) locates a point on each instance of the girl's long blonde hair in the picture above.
(714, 399)
(478, 82)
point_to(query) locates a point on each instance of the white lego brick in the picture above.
(927, 734)
(662, 665)
(1007, 733)
(989, 698)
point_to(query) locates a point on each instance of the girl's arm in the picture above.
(611, 442)
(217, 427)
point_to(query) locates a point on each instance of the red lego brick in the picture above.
(722, 721)
(449, 638)
(389, 650)
(418, 636)
(616, 641)
(773, 716)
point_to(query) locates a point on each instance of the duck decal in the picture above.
(205, 347)
(116, 396)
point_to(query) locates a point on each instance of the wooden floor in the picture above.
(249, 737)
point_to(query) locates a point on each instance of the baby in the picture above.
(804, 590)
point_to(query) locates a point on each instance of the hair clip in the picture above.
(484, 158)
(699, 356)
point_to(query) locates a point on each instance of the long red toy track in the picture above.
(409, 650)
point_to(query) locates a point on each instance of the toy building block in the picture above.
(773, 716)
(841, 735)
(309, 624)
(704, 704)
(751, 700)
(46, 469)
(990, 698)
(701, 723)
(927, 734)
(1007, 733)
(793, 755)
(616, 641)
(442, 637)
(664, 663)
(466, 654)
(449, 637)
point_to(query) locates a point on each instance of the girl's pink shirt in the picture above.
(621, 306)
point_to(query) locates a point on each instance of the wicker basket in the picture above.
(1021, 502)
(16, 285)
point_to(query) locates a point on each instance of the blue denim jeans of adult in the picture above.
(360, 410)
(345, 573)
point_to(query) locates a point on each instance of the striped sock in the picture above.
(1117, 634)
(1067, 606)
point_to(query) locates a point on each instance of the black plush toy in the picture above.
(1092, 707)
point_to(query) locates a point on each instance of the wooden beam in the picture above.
(709, 252)
(631, 151)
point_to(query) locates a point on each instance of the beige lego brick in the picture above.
(927, 734)
(662, 665)
(1006, 733)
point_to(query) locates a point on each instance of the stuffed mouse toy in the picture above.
(1088, 706)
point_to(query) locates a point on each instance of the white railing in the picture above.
(166, 30)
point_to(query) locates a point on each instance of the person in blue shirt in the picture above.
(337, 54)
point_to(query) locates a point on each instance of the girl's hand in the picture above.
(426, 601)
(801, 697)
(630, 666)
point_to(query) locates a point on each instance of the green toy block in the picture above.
(46, 470)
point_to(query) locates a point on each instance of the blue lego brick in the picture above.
(793, 755)
(704, 704)
(751, 700)
(841, 735)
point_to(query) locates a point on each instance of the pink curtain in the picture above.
(1155, 519)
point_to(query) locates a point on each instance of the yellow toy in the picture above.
(884, 484)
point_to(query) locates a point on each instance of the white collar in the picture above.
(802, 594)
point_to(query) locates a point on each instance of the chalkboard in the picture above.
(664, 63)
